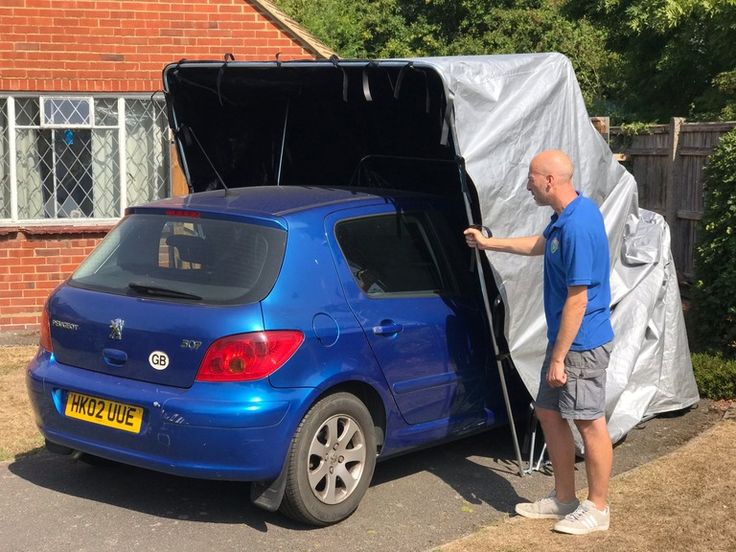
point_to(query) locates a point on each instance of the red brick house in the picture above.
(83, 133)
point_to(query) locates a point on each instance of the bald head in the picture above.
(550, 179)
(555, 163)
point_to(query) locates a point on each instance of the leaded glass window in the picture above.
(81, 157)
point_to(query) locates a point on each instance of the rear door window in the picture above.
(396, 254)
(189, 259)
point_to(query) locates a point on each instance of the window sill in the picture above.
(57, 229)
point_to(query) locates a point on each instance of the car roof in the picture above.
(278, 201)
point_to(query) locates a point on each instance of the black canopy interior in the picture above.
(303, 123)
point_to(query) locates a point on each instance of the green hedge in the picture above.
(713, 324)
(715, 375)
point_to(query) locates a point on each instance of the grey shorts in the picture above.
(583, 397)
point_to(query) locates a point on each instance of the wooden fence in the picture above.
(667, 163)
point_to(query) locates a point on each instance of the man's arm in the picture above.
(572, 317)
(528, 245)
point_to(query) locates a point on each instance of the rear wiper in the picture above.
(162, 292)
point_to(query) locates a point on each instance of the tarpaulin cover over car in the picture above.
(312, 123)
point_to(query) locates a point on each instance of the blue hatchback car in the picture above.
(288, 336)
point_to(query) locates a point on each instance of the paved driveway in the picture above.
(416, 501)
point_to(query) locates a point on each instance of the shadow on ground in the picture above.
(429, 496)
(476, 468)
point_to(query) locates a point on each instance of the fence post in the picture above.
(603, 126)
(674, 184)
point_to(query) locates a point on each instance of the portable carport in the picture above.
(316, 122)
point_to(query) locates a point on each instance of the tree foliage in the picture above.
(635, 59)
(676, 55)
(714, 315)
(404, 28)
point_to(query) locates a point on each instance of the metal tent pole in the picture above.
(283, 143)
(487, 305)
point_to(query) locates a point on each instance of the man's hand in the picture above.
(556, 375)
(474, 238)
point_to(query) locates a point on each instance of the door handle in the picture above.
(387, 327)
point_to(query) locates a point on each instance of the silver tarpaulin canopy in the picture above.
(301, 122)
(505, 110)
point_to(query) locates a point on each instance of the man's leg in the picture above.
(583, 399)
(592, 514)
(598, 459)
(561, 449)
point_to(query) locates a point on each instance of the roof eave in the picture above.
(308, 41)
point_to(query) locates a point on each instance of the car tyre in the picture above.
(330, 462)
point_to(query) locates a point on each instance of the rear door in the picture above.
(405, 286)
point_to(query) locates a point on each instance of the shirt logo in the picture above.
(555, 246)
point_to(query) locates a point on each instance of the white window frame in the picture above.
(12, 127)
(51, 97)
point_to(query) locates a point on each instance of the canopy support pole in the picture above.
(486, 303)
(283, 143)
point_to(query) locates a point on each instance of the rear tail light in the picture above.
(249, 356)
(45, 329)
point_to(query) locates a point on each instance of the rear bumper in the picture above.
(234, 431)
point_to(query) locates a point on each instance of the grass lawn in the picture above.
(684, 501)
(18, 431)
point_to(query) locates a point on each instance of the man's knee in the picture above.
(592, 428)
(547, 415)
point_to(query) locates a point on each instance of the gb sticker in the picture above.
(158, 360)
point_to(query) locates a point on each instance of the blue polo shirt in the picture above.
(576, 254)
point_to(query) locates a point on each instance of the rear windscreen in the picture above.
(185, 259)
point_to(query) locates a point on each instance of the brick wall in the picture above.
(32, 264)
(121, 46)
(108, 46)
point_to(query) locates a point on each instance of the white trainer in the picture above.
(586, 519)
(548, 507)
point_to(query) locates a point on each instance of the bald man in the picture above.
(577, 299)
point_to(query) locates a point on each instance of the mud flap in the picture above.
(267, 495)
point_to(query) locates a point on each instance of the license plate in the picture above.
(104, 412)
